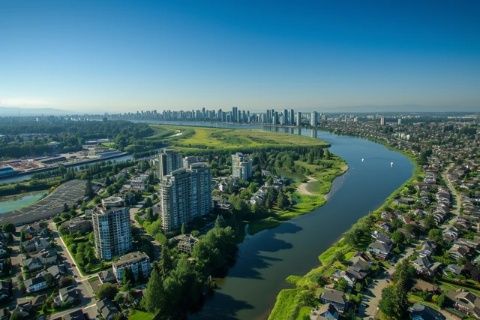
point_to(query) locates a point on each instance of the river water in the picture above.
(268, 257)
(12, 203)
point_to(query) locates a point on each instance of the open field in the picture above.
(198, 139)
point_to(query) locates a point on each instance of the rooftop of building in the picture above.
(131, 257)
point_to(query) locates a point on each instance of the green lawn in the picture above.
(140, 315)
(198, 139)
(286, 305)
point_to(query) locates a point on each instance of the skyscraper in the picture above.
(299, 119)
(314, 119)
(184, 195)
(241, 166)
(168, 161)
(112, 229)
(291, 118)
(234, 114)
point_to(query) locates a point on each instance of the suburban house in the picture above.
(36, 284)
(422, 312)
(380, 249)
(67, 297)
(334, 297)
(324, 312)
(106, 309)
(424, 266)
(468, 303)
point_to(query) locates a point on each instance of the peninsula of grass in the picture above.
(195, 140)
(296, 302)
(307, 195)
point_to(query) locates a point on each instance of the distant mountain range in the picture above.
(11, 111)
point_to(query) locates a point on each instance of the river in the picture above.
(268, 257)
(12, 203)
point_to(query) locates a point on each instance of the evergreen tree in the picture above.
(282, 201)
(220, 222)
(165, 263)
(89, 190)
(154, 298)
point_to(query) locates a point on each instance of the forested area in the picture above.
(178, 283)
(33, 136)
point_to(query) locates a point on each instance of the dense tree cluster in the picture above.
(394, 303)
(178, 283)
(29, 136)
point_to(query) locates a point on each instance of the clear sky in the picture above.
(128, 55)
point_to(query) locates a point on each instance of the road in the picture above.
(86, 291)
(372, 299)
(457, 196)
(90, 309)
(141, 231)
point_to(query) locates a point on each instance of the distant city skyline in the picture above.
(109, 56)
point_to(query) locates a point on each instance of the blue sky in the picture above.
(331, 55)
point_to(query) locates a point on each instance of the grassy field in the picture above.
(140, 315)
(200, 139)
(287, 303)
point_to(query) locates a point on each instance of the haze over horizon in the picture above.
(125, 56)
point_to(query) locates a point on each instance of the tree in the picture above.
(154, 298)
(435, 235)
(165, 263)
(393, 303)
(220, 222)
(107, 291)
(89, 190)
(341, 285)
(9, 227)
(128, 278)
(148, 202)
(150, 216)
(398, 238)
(282, 200)
(441, 300)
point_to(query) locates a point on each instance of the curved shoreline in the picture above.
(327, 256)
(306, 205)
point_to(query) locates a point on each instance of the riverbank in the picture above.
(308, 195)
(19, 201)
(295, 302)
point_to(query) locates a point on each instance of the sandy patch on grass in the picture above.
(302, 188)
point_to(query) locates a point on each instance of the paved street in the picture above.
(374, 295)
(86, 291)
